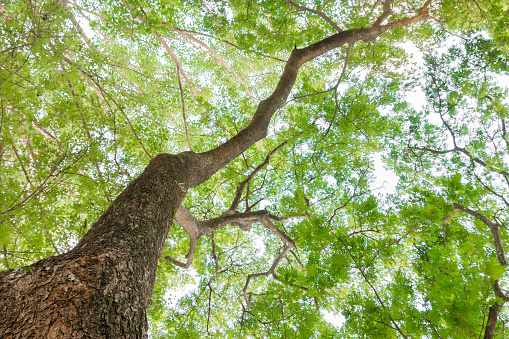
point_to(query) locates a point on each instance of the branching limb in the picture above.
(196, 229)
(387, 11)
(289, 245)
(317, 12)
(494, 310)
(493, 228)
(468, 154)
(243, 184)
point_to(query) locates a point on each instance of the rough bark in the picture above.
(102, 287)
(489, 332)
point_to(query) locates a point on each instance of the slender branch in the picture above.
(103, 91)
(29, 181)
(317, 12)
(493, 228)
(289, 245)
(221, 61)
(347, 59)
(51, 239)
(468, 154)
(396, 327)
(47, 135)
(242, 185)
(183, 109)
(35, 192)
(177, 62)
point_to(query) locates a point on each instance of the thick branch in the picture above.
(387, 11)
(191, 225)
(213, 224)
(489, 332)
(204, 165)
(498, 292)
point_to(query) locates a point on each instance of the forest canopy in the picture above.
(299, 227)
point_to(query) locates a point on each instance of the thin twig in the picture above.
(183, 110)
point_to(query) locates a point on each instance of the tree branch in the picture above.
(177, 63)
(493, 228)
(317, 12)
(221, 61)
(387, 11)
(205, 164)
(494, 310)
(468, 154)
(183, 109)
(242, 185)
(289, 245)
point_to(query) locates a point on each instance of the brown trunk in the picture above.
(101, 288)
(489, 332)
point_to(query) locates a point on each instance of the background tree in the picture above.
(91, 92)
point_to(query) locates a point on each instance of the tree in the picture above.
(82, 114)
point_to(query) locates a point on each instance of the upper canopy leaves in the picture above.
(91, 90)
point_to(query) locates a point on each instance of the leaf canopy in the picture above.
(90, 91)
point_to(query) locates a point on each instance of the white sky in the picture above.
(385, 181)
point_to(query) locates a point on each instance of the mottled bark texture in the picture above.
(102, 288)
(491, 325)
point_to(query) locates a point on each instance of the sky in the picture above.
(384, 182)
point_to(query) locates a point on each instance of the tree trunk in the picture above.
(489, 332)
(101, 288)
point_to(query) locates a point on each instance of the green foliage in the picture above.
(88, 94)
